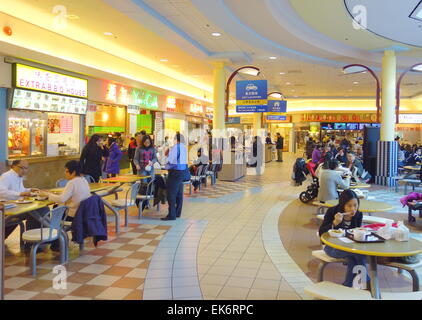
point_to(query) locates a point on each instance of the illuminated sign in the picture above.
(171, 103)
(196, 108)
(111, 94)
(410, 118)
(47, 81)
(144, 99)
(38, 101)
(133, 109)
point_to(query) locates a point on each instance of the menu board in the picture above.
(39, 101)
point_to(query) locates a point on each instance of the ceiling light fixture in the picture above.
(282, 73)
(273, 58)
(108, 34)
(163, 60)
(250, 71)
(216, 34)
(288, 83)
(417, 12)
(355, 82)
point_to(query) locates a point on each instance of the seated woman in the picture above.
(414, 158)
(202, 160)
(76, 191)
(345, 215)
(330, 180)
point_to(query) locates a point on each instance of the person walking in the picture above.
(279, 147)
(177, 167)
(113, 162)
(131, 154)
(92, 157)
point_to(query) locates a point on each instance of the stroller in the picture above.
(312, 190)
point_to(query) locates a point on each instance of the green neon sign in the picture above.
(144, 99)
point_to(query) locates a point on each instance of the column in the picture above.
(219, 96)
(3, 128)
(387, 148)
(257, 118)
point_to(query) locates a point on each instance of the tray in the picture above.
(380, 239)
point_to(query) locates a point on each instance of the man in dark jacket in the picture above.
(279, 147)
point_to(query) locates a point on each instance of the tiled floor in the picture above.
(227, 245)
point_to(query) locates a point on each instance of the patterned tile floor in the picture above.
(116, 269)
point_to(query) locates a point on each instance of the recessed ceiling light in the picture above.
(417, 12)
(163, 60)
(282, 73)
(350, 90)
(273, 58)
(355, 82)
(72, 16)
(216, 34)
(288, 83)
(108, 34)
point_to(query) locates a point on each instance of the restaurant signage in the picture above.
(132, 109)
(38, 101)
(31, 78)
(276, 118)
(196, 108)
(410, 118)
(317, 117)
(144, 99)
(251, 96)
(234, 120)
(171, 103)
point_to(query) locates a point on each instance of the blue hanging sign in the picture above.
(279, 106)
(276, 118)
(234, 120)
(251, 96)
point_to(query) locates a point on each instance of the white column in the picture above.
(388, 97)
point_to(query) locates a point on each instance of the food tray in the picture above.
(380, 239)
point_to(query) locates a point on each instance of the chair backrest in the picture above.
(150, 188)
(56, 217)
(199, 170)
(132, 193)
(89, 178)
(204, 170)
(61, 183)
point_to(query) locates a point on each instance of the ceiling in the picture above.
(309, 51)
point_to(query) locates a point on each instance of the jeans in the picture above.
(175, 193)
(279, 155)
(352, 260)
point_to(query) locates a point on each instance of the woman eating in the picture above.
(345, 215)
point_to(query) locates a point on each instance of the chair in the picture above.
(149, 195)
(89, 178)
(203, 175)
(200, 175)
(128, 201)
(61, 183)
(212, 173)
(47, 234)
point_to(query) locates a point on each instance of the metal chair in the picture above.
(200, 174)
(149, 195)
(47, 234)
(212, 173)
(89, 178)
(128, 201)
(61, 183)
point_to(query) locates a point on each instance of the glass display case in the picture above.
(27, 134)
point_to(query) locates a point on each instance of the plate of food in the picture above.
(40, 198)
(336, 233)
(25, 200)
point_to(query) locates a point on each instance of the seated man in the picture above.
(201, 161)
(355, 165)
(12, 188)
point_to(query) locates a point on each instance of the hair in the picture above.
(200, 151)
(16, 163)
(179, 137)
(145, 138)
(352, 153)
(143, 132)
(111, 140)
(73, 166)
(118, 134)
(333, 164)
(233, 140)
(93, 140)
(166, 138)
(278, 133)
(345, 197)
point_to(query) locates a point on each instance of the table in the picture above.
(93, 187)
(125, 179)
(360, 186)
(367, 206)
(390, 248)
(412, 170)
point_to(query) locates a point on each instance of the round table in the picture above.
(367, 206)
(389, 248)
(360, 186)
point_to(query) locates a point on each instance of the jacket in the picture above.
(327, 224)
(279, 143)
(91, 159)
(90, 221)
(131, 150)
(160, 193)
(358, 165)
(329, 182)
(299, 171)
(411, 197)
(143, 156)
(113, 161)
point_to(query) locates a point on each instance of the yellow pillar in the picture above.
(256, 123)
(219, 98)
(388, 98)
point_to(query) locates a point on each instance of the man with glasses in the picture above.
(12, 188)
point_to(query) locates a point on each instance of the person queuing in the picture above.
(268, 139)
(12, 188)
(131, 154)
(310, 146)
(279, 147)
(330, 180)
(177, 167)
(112, 167)
(345, 215)
(317, 154)
(145, 157)
(92, 157)
(75, 191)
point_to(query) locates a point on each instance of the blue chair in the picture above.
(61, 183)
(128, 201)
(47, 234)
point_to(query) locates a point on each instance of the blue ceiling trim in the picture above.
(172, 26)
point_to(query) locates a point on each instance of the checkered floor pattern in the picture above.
(115, 270)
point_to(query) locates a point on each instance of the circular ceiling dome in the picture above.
(396, 20)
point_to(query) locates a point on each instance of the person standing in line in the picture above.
(131, 153)
(268, 139)
(279, 147)
(113, 161)
(145, 157)
(177, 167)
(139, 136)
(92, 155)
